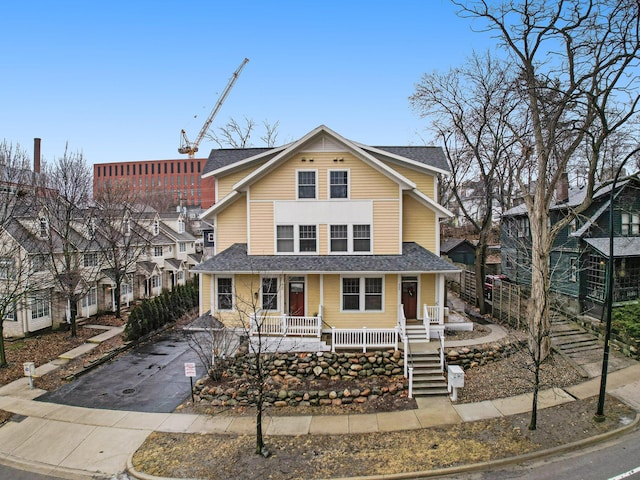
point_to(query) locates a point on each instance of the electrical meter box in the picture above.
(455, 376)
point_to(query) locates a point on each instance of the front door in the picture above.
(410, 298)
(296, 296)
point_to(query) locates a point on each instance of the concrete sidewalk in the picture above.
(77, 442)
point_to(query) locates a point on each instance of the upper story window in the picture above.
(307, 184)
(90, 260)
(630, 224)
(43, 227)
(338, 184)
(362, 238)
(7, 268)
(156, 226)
(126, 226)
(339, 238)
(308, 238)
(182, 246)
(157, 251)
(180, 225)
(38, 263)
(284, 238)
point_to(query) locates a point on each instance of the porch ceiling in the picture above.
(414, 258)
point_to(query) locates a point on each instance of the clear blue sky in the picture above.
(118, 80)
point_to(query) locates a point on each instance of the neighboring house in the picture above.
(26, 273)
(581, 251)
(325, 234)
(459, 250)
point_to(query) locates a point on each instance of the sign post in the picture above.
(190, 371)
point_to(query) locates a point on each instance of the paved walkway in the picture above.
(78, 442)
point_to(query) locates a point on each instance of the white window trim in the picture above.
(278, 296)
(573, 269)
(329, 183)
(350, 240)
(296, 238)
(298, 171)
(362, 294)
(217, 293)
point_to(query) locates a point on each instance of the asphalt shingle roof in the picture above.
(414, 258)
(622, 246)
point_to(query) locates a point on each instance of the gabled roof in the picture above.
(414, 259)
(453, 243)
(173, 264)
(147, 268)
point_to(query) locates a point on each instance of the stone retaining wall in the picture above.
(476, 355)
(373, 374)
(628, 346)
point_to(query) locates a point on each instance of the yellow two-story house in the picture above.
(325, 235)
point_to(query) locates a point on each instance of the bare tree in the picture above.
(16, 195)
(577, 87)
(236, 134)
(470, 109)
(119, 238)
(72, 251)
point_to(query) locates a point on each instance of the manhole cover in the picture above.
(129, 391)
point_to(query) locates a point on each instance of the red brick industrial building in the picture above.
(178, 180)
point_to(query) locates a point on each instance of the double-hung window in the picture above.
(284, 240)
(90, 259)
(362, 238)
(629, 224)
(156, 281)
(338, 184)
(270, 293)
(182, 246)
(307, 184)
(157, 251)
(362, 294)
(91, 298)
(339, 238)
(225, 293)
(307, 238)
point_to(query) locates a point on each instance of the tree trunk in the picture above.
(481, 270)
(73, 309)
(116, 300)
(539, 322)
(3, 354)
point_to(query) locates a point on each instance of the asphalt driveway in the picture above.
(150, 378)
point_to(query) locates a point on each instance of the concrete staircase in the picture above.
(428, 379)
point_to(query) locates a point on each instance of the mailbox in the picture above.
(29, 369)
(455, 376)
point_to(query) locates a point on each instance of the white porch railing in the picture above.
(286, 325)
(433, 314)
(442, 353)
(364, 338)
(402, 320)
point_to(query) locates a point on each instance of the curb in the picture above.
(474, 467)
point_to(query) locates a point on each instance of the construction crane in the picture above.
(190, 148)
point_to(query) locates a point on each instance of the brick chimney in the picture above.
(36, 155)
(562, 188)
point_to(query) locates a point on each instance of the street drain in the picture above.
(129, 391)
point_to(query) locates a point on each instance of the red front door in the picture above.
(410, 299)
(296, 298)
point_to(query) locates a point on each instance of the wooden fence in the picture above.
(468, 287)
(508, 305)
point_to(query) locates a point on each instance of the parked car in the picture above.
(491, 281)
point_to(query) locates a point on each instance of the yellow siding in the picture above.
(323, 239)
(427, 290)
(418, 224)
(312, 287)
(205, 293)
(366, 182)
(225, 183)
(386, 228)
(424, 181)
(262, 233)
(231, 225)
